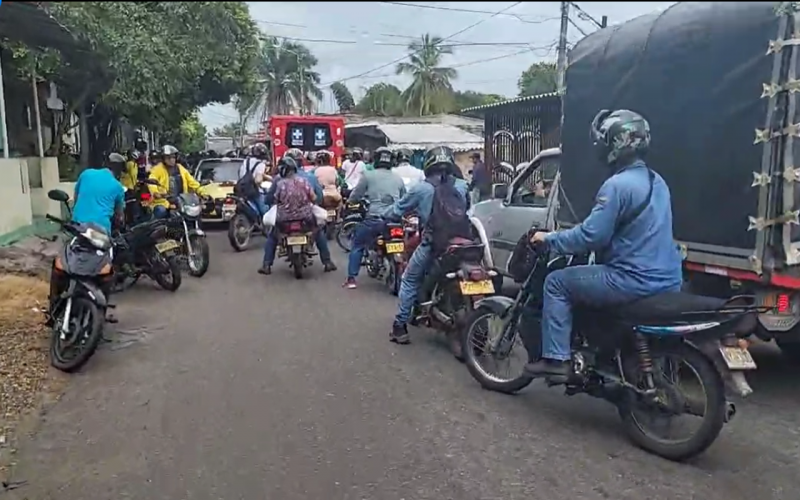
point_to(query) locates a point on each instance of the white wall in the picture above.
(15, 195)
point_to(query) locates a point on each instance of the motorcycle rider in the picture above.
(354, 169)
(289, 165)
(172, 178)
(439, 166)
(409, 173)
(382, 188)
(629, 229)
(99, 196)
(254, 168)
(328, 178)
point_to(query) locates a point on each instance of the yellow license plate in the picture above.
(166, 246)
(395, 247)
(737, 358)
(296, 240)
(482, 287)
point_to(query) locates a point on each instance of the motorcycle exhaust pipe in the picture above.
(441, 317)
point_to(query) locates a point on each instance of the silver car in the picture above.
(531, 199)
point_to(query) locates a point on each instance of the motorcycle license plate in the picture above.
(395, 247)
(331, 214)
(296, 240)
(482, 287)
(737, 358)
(166, 246)
(228, 214)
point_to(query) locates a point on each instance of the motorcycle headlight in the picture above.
(98, 239)
(192, 210)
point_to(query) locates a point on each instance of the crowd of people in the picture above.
(630, 225)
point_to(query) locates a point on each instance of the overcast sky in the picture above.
(360, 37)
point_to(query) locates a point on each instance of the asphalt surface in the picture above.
(240, 386)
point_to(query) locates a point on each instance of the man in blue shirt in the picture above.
(419, 200)
(320, 238)
(630, 231)
(99, 196)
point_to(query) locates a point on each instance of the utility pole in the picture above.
(561, 64)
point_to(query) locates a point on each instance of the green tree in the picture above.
(344, 99)
(540, 78)
(431, 90)
(153, 77)
(189, 137)
(227, 130)
(288, 77)
(470, 98)
(381, 99)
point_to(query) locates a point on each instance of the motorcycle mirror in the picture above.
(58, 195)
(205, 182)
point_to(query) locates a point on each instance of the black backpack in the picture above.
(448, 216)
(246, 186)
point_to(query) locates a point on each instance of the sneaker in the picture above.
(330, 267)
(350, 284)
(265, 270)
(399, 335)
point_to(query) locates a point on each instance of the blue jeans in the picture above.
(363, 236)
(566, 288)
(260, 203)
(412, 279)
(272, 244)
(160, 212)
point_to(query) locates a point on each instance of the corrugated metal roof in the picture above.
(423, 135)
(510, 101)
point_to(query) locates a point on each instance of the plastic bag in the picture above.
(320, 214)
(271, 216)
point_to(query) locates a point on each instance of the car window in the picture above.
(219, 171)
(532, 188)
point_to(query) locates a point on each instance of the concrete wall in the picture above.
(45, 170)
(15, 195)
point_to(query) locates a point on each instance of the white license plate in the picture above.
(737, 358)
(166, 246)
(296, 240)
(331, 213)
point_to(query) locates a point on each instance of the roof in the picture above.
(423, 135)
(549, 95)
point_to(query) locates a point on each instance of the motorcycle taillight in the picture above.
(294, 226)
(396, 232)
(477, 274)
(145, 196)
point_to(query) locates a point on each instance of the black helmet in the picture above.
(294, 154)
(403, 155)
(286, 165)
(259, 150)
(620, 136)
(323, 158)
(383, 158)
(438, 158)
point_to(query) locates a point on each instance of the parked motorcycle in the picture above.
(353, 214)
(184, 227)
(81, 276)
(626, 355)
(458, 280)
(295, 238)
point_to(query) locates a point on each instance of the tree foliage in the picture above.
(539, 78)
(382, 99)
(228, 130)
(190, 136)
(344, 99)
(470, 98)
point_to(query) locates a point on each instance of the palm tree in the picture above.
(288, 79)
(344, 99)
(431, 90)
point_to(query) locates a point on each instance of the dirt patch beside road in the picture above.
(26, 379)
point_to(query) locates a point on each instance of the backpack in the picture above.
(448, 217)
(246, 186)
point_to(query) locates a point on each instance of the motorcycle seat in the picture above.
(670, 307)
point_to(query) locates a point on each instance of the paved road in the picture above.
(246, 387)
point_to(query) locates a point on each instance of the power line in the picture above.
(473, 25)
(473, 11)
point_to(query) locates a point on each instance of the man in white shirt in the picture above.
(256, 163)
(354, 169)
(409, 173)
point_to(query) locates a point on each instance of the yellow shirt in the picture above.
(160, 174)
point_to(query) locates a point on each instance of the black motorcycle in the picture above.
(184, 227)
(145, 250)
(353, 214)
(245, 220)
(294, 240)
(627, 355)
(79, 284)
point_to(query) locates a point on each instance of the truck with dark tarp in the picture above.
(718, 83)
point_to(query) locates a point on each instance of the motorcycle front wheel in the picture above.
(239, 231)
(171, 278)
(712, 407)
(198, 262)
(483, 328)
(85, 331)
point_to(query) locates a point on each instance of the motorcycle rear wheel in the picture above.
(237, 236)
(713, 419)
(472, 339)
(92, 332)
(296, 261)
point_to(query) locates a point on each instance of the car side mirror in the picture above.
(58, 195)
(499, 191)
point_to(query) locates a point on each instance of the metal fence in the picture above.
(516, 131)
